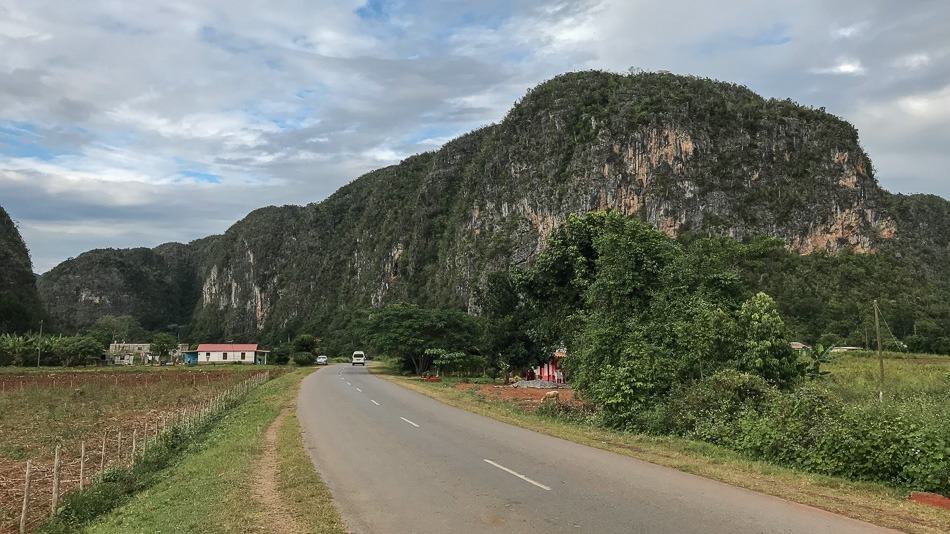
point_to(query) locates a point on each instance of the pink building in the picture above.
(551, 371)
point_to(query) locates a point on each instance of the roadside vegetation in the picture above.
(670, 338)
(214, 485)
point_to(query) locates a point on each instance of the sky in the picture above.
(137, 123)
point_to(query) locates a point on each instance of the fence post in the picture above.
(26, 498)
(102, 458)
(54, 503)
(82, 464)
(118, 448)
(135, 437)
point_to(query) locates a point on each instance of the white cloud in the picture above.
(286, 100)
(848, 32)
(913, 61)
(851, 67)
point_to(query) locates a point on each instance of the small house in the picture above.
(231, 353)
(552, 370)
(190, 357)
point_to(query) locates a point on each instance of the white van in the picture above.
(359, 358)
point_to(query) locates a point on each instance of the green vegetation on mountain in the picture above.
(692, 157)
(20, 308)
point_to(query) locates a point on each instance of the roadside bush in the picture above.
(904, 444)
(303, 358)
(789, 430)
(709, 408)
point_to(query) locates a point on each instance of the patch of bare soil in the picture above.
(527, 397)
(277, 517)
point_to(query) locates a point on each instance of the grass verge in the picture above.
(874, 503)
(211, 488)
(300, 486)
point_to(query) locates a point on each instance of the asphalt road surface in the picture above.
(400, 462)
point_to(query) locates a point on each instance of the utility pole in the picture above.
(39, 344)
(880, 353)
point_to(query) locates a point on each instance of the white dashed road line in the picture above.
(360, 390)
(374, 402)
(410, 422)
(519, 475)
(349, 384)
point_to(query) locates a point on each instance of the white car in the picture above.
(321, 360)
(359, 358)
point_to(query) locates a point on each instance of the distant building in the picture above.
(126, 353)
(551, 371)
(845, 349)
(798, 345)
(231, 353)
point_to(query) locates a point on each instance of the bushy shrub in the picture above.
(303, 358)
(906, 444)
(708, 408)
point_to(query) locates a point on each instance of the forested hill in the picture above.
(20, 308)
(691, 156)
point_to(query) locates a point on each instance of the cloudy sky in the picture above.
(136, 123)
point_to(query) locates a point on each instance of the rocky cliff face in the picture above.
(157, 286)
(20, 308)
(689, 155)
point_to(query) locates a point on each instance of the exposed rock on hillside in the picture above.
(689, 155)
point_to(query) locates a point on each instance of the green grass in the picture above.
(872, 502)
(300, 486)
(854, 376)
(211, 488)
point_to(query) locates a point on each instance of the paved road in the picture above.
(400, 462)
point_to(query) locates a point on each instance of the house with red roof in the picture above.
(231, 353)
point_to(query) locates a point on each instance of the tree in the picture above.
(112, 328)
(818, 355)
(641, 313)
(763, 343)
(162, 345)
(303, 358)
(306, 343)
(506, 337)
(405, 331)
(80, 350)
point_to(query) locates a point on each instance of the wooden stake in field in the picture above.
(54, 502)
(26, 498)
(135, 435)
(880, 353)
(102, 457)
(82, 464)
(118, 448)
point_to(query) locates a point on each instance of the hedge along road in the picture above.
(397, 461)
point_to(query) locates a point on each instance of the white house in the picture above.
(230, 353)
(125, 353)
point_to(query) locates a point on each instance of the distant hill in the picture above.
(20, 308)
(691, 156)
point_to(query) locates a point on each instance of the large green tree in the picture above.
(640, 312)
(506, 338)
(162, 345)
(406, 331)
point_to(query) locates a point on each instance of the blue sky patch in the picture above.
(22, 140)
(373, 10)
(205, 177)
